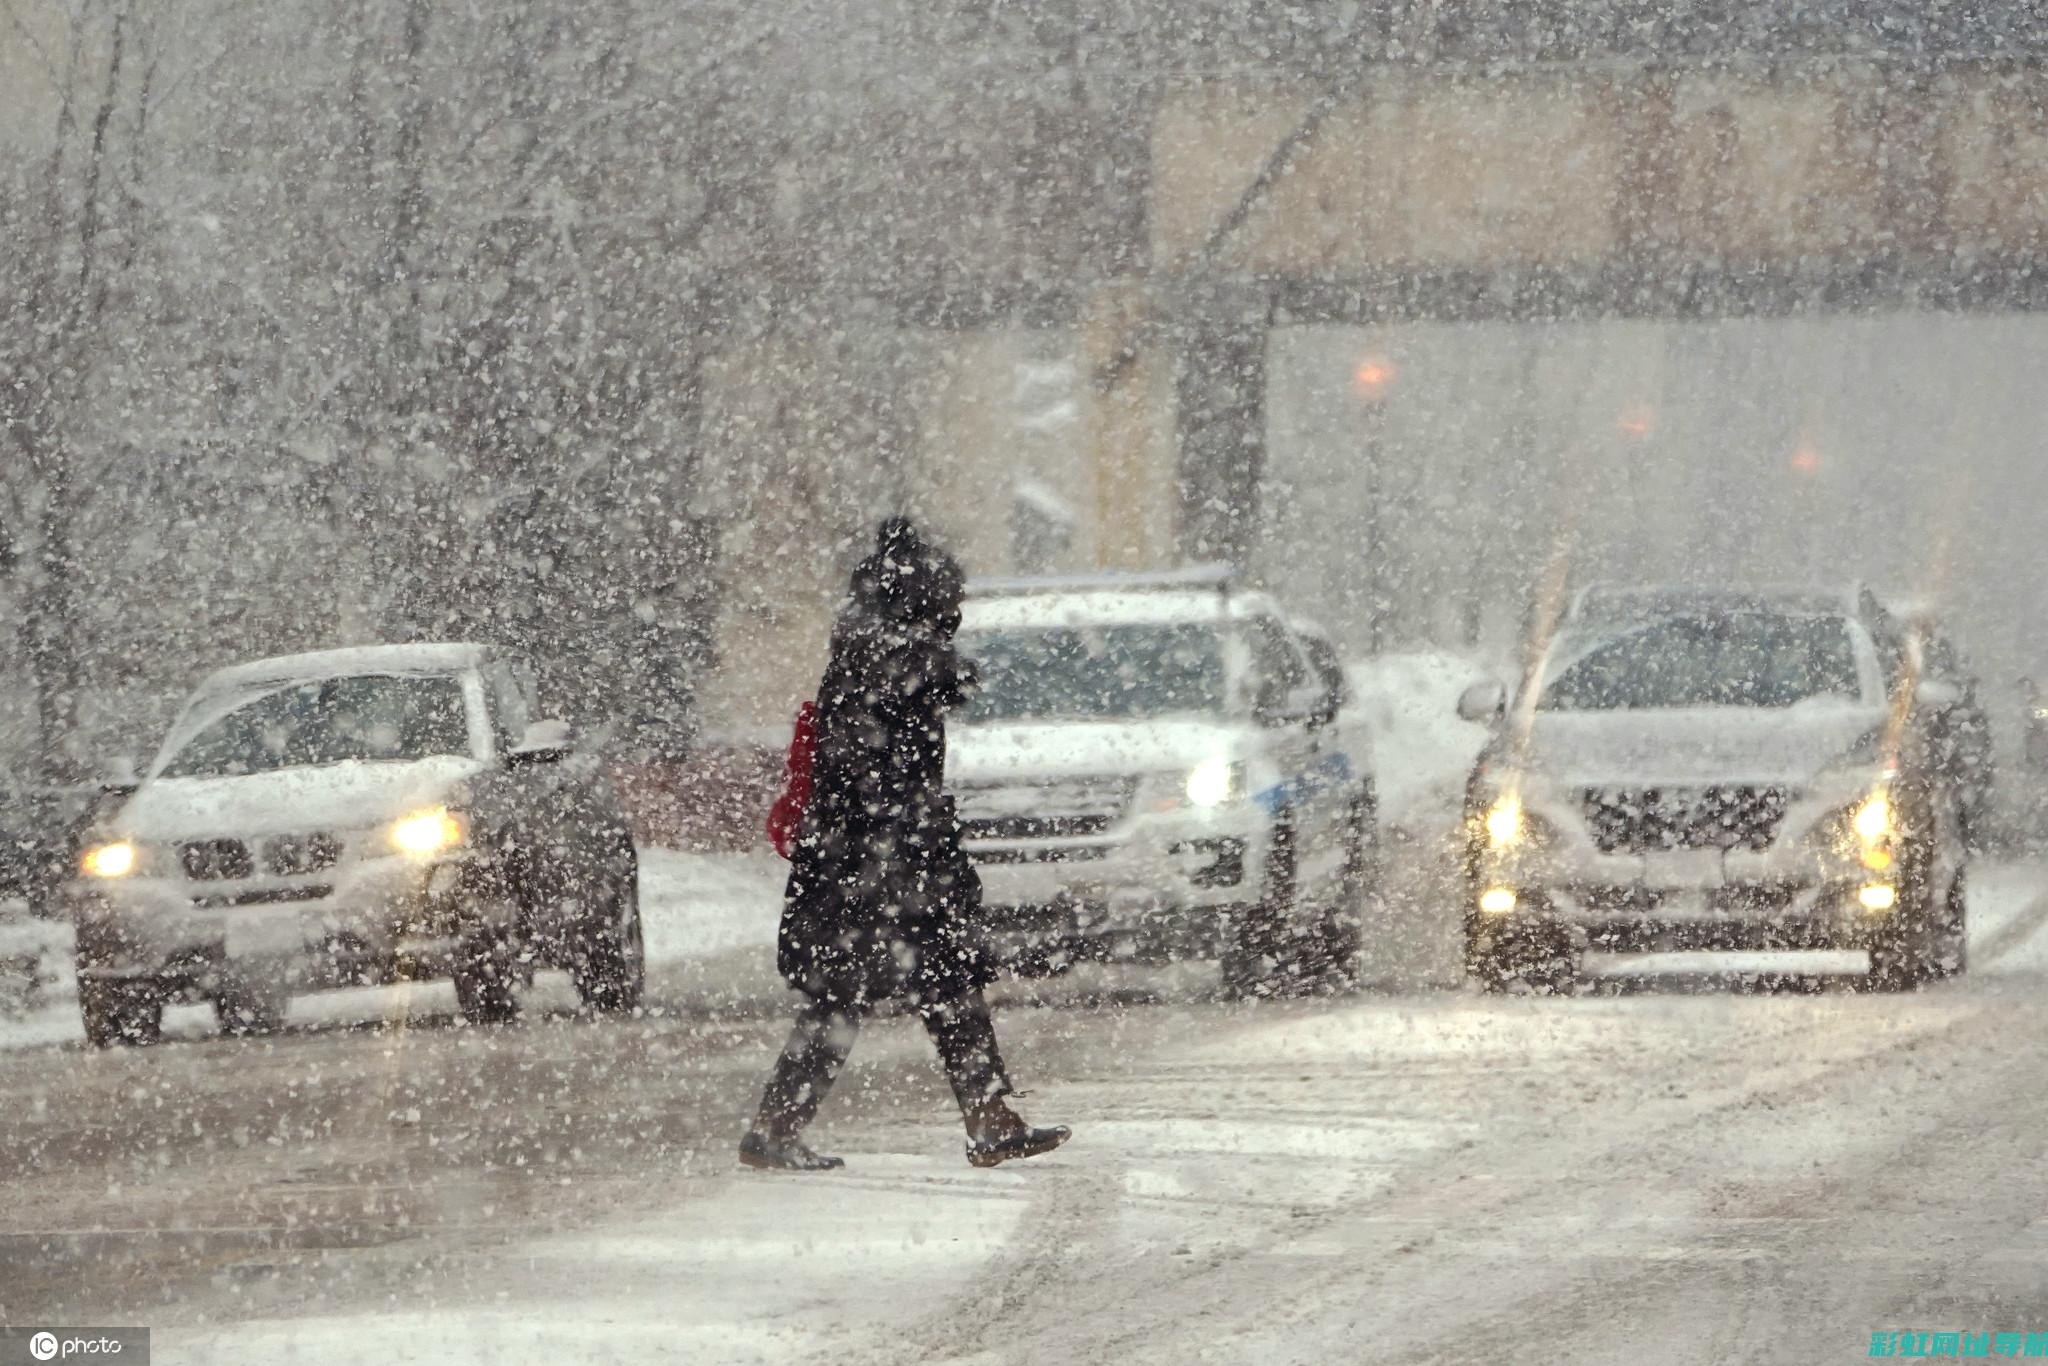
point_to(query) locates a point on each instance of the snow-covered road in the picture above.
(1438, 1176)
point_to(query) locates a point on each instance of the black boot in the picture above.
(995, 1134)
(765, 1149)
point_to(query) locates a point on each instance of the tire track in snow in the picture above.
(1077, 1304)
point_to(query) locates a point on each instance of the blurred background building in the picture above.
(610, 331)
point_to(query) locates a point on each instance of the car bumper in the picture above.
(368, 922)
(1637, 920)
(1165, 891)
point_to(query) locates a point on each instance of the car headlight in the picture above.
(1504, 823)
(1873, 819)
(425, 833)
(1214, 782)
(109, 860)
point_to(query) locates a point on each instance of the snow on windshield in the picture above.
(1095, 673)
(1748, 659)
(370, 719)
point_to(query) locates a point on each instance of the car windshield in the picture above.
(1107, 672)
(1739, 659)
(368, 718)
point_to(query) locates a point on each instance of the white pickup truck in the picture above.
(1150, 771)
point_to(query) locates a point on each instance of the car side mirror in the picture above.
(1938, 693)
(1484, 702)
(1329, 701)
(1311, 704)
(118, 778)
(545, 742)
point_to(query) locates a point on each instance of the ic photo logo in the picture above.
(46, 1346)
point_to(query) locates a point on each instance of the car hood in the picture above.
(993, 752)
(332, 797)
(1709, 745)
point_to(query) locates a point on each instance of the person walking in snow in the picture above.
(882, 903)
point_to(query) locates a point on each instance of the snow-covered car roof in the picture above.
(1110, 608)
(432, 657)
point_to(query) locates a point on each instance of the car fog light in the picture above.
(110, 860)
(1504, 822)
(1213, 782)
(426, 832)
(1497, 900)
(1877, 860)
(1878, 896)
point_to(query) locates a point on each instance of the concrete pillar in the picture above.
(1220, 424)
(1119, 359)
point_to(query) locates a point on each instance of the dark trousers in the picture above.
(824, 1035)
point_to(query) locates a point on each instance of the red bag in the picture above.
(786, 817)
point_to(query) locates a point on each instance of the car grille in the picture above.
(1084, 853)
(1648, 819)
(1059, 809)
(292, 855)
(226, 860)
(216, 860)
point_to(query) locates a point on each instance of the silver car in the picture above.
(1711, 771)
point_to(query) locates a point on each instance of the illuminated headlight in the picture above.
(1214, 782)
(1873, 819)
(425, 833)
(1497, 900)
(1504, 824)
(1878, 896)
(109, 860)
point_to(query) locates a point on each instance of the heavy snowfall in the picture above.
(1023, 680)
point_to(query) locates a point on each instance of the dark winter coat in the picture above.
(882, 903)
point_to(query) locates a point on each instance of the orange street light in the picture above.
(1373, 377)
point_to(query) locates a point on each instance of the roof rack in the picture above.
(1215, 578)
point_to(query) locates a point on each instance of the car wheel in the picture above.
(1243, 969)
(487, 976)
(1955, 949)
(610, 968)
(1530, 958)
(1259, 955)
(1925, 948)
(245, 1011)
(1344, 927)
(130, 1013)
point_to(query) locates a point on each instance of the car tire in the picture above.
(610, 967)
(1344, 927)
(1955, 958)
(1258, 960)
(1927, 949)
(121, 1013)
(1533, 958)
(487, 977)
(248, 1012)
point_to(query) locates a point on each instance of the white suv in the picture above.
(1149, 771)
(357, 816)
